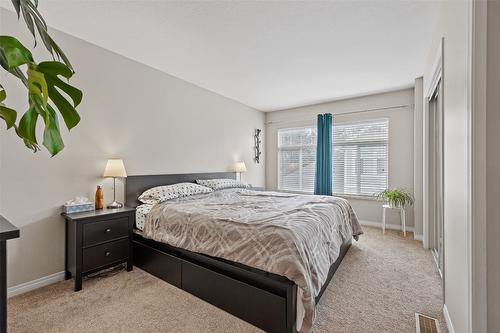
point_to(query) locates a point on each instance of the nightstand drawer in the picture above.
(101, 255)
(103, 231)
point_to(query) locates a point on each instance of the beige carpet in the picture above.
(379, 286)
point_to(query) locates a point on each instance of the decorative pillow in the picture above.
(167, 192)
(219, 184)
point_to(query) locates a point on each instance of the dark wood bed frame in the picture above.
(263, 299)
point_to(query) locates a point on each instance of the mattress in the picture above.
(296, 236)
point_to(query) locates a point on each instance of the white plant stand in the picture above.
(402, 213)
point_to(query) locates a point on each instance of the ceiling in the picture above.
(268, 55)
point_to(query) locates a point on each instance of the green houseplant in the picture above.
(46, 84)
(396, 197)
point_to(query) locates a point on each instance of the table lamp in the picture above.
(115, 169)
(239, 167)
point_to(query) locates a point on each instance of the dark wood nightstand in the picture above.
(97, 240)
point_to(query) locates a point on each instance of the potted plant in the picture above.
(396, 197)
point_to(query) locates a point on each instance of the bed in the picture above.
(269, 286)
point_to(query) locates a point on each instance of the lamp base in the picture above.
(115, 204)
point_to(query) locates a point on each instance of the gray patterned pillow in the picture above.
(220, 184)
(167, 192)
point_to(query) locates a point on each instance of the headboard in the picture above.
(136, 185)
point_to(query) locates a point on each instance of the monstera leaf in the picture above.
(7, 114)
(51, 71)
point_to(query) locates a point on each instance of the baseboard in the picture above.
(418, 237)
(448, 319)
(387, 226)
(35, 284)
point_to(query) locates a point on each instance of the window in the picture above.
(297, 159)
(360, 158)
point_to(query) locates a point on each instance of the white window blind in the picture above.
(296, 159)
(360, 157)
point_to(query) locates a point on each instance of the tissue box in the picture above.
(76, 208)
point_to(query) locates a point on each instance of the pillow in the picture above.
(219, 184)
(167, 192)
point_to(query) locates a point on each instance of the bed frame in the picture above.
(263, 299)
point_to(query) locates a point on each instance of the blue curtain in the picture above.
(323, 179)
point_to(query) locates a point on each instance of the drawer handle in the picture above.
(108, 230)
(107, 253)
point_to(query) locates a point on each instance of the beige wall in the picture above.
(493, 166)
(155, 122)
(452, 25)
(400, 136)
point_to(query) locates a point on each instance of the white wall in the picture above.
(493, 166)
(400, 140)
(452, 25)
(155, 122)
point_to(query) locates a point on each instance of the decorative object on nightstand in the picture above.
(395, 198)
(257, 142)
(239, 168)
(99, 198)
(97, 240)
(77, 205)
(115, 169)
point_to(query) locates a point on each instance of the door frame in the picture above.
(437, 76)
(437, 79)
(476, 151)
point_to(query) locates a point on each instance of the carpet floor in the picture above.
(381, 283)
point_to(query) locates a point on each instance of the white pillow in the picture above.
(167, 192)
(219, 184)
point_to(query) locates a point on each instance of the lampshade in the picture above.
(115, 168)
(240, 167)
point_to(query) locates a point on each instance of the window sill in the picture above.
(356, 197)
(344, 196)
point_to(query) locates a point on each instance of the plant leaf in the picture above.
(52, 136)
(42, 31)
(68, 112)
(32, 146)
(14, 54)
(37, 85)
(27, 126)
(7, 114)
(3, 94)
(16, 71)
(55, 68)
(29, 23)
(33, 19)
(17, 6)
(51, 71)
(60, 54)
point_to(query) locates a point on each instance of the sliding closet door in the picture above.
(436, 188)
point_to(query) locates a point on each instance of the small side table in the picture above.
(97, 240)
(7, 231)
(402, 213)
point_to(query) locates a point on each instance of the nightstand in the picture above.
(97, 240)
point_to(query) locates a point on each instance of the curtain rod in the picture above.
(343, 113)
